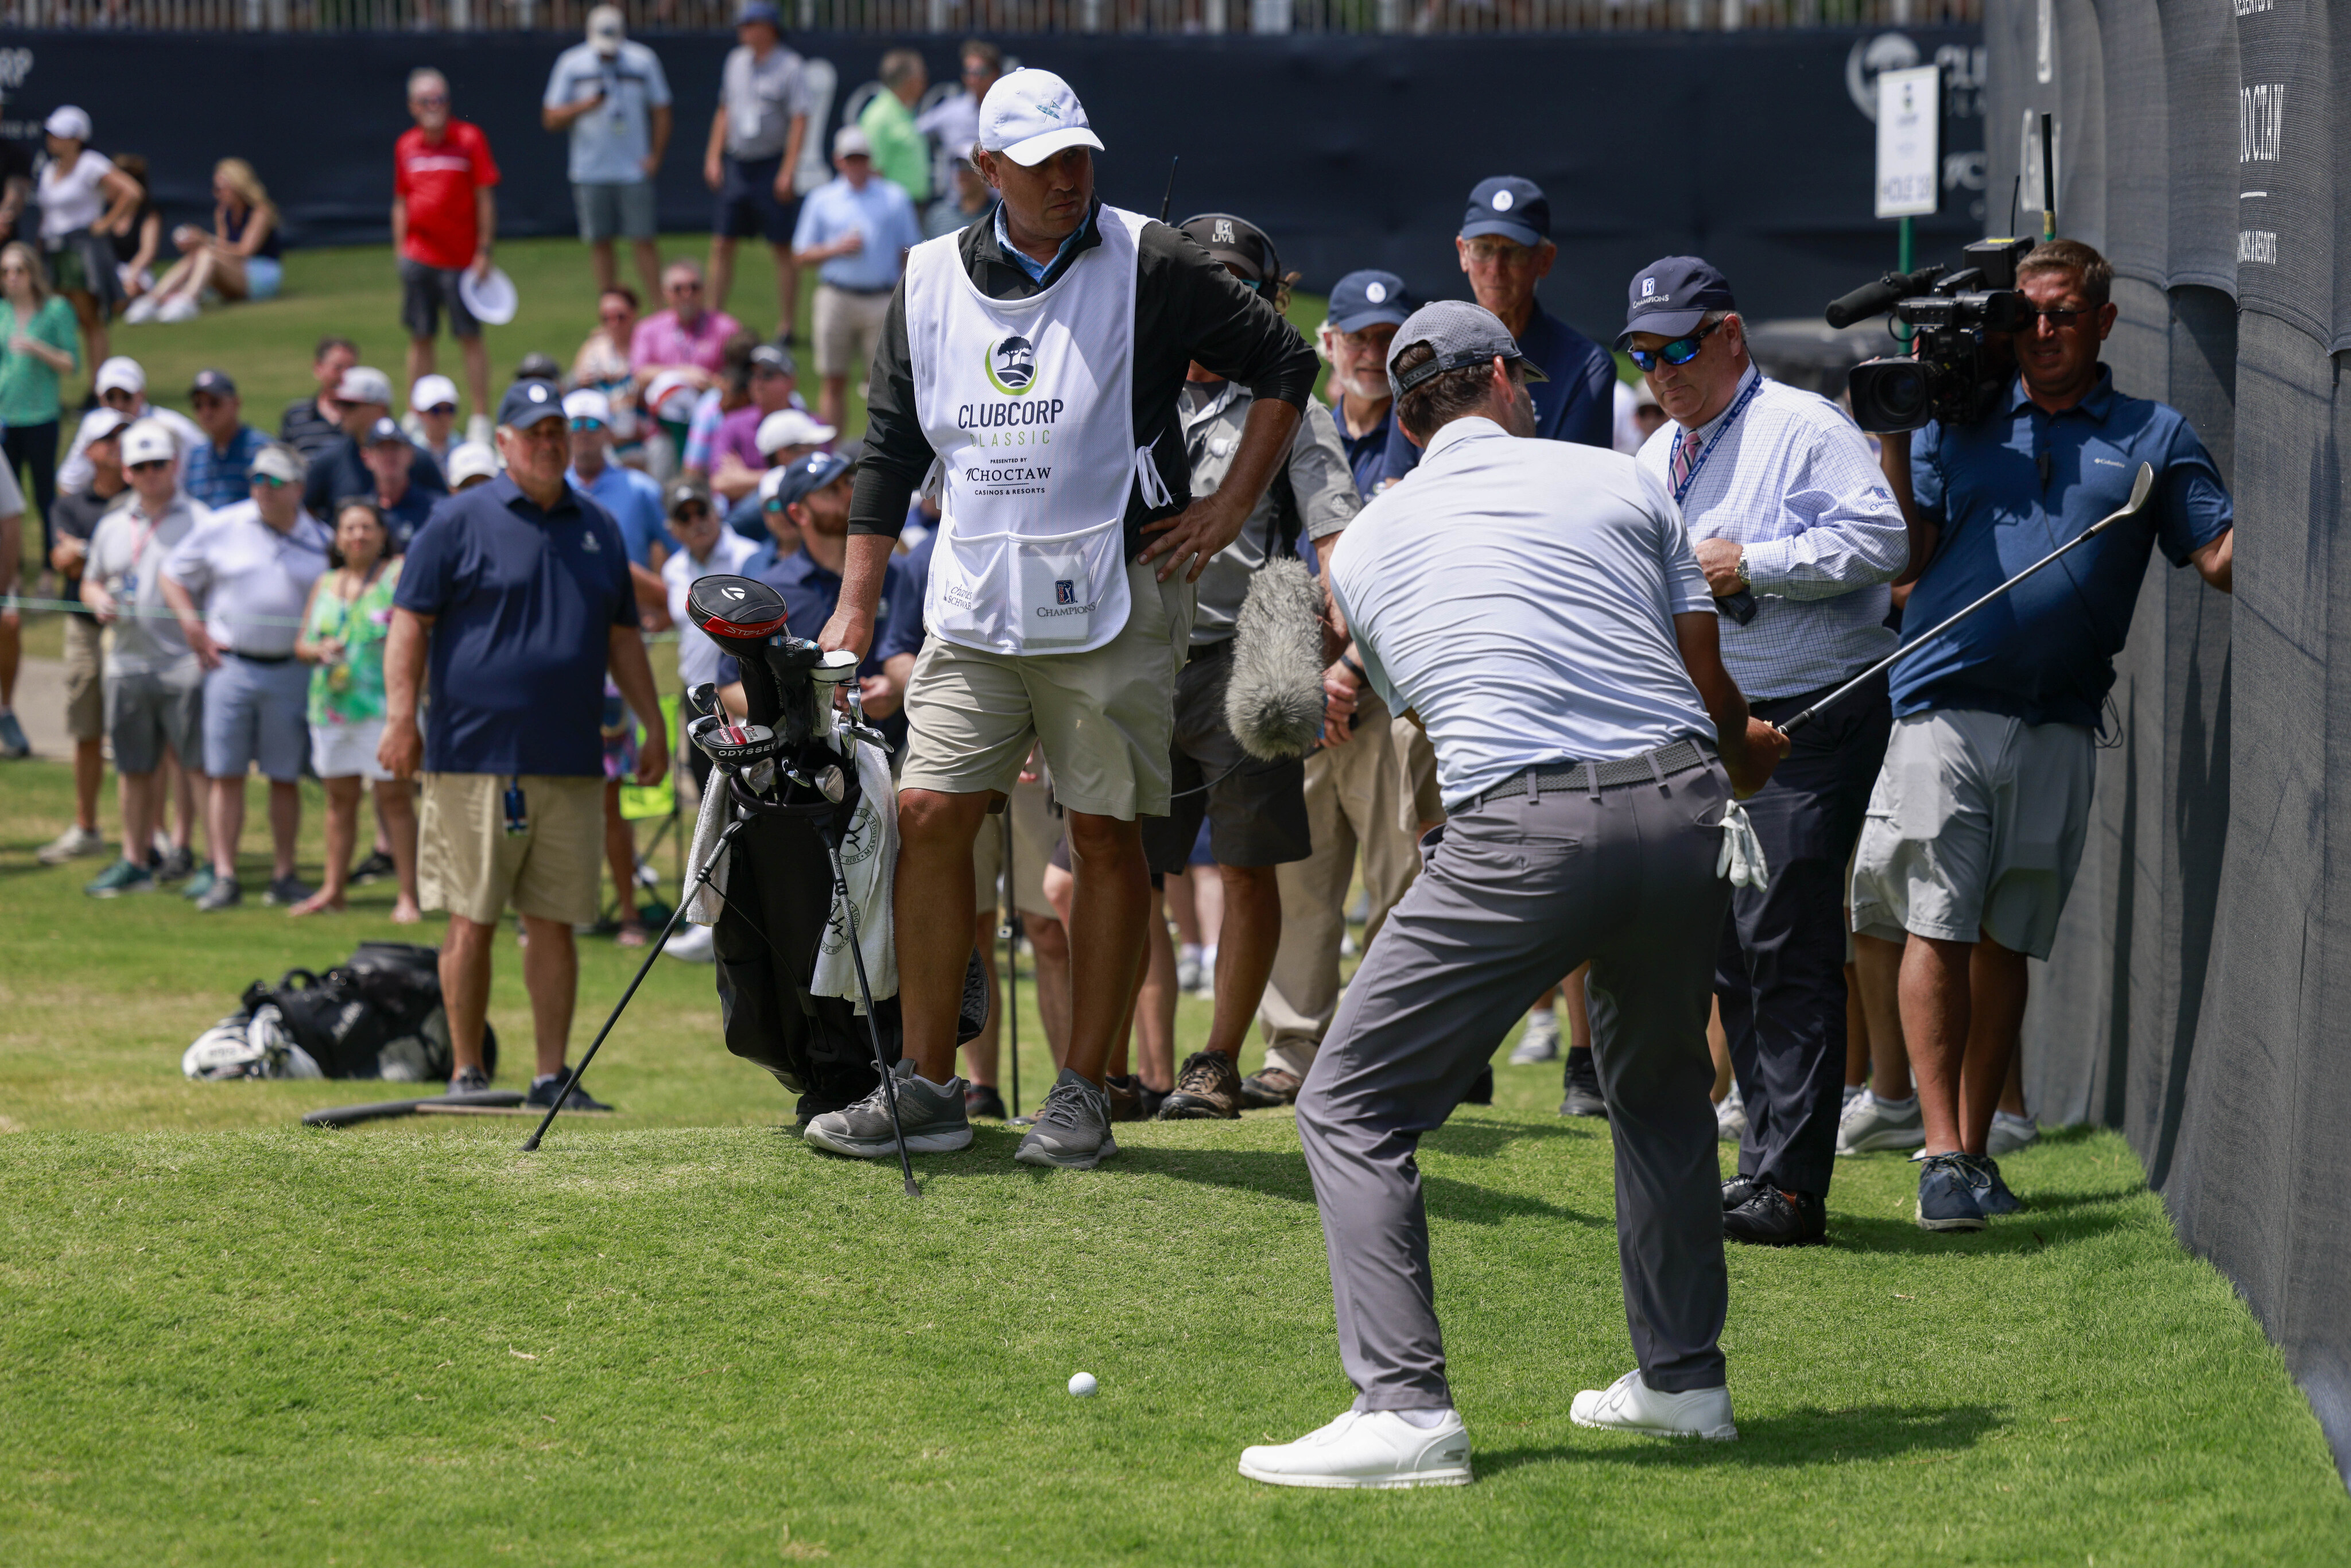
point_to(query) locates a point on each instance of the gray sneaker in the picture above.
(1072, 1127)
(224, 893)
(1869, 1122)
(934, 1120)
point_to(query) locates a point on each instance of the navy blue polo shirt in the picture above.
(2044, 652)
(810, 594)
(1367, 455)
(1578, 404)
(523, 601)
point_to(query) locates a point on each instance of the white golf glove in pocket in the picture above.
(1741, 859)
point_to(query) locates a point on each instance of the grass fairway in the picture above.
(676, 1337)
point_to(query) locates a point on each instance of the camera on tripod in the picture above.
(1957, 369)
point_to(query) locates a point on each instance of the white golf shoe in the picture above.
(1629, 1404)
(1367, 1448)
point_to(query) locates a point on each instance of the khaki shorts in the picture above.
(1035, 830)
(469, 864)
(1105, 717)
(848, 328)
(1975, 828)
(85, 678)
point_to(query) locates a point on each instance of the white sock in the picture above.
(1428, 1420)
(1189, 953)
(1899, 1107)
(1208, 955)
(545, 1078)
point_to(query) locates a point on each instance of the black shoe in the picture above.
(469, 1080)
(1583, 1079)
(543, 1094)
(1152, 1100)
(982, 1100)
(1776, 1219)
(377, 866)
(1481, 1092)
(1736, 1191)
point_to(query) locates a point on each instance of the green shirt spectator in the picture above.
(28, 384)
(902, 153)
(350, 689)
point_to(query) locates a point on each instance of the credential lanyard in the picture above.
(1738, 407)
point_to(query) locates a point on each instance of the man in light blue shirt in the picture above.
(633, 499)
(611, 95)
(1536, 606)
(857, 230)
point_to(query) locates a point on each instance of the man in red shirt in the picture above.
(444, 217)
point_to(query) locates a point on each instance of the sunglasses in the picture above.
(683, 288)
(271, 481)
(586, 425)
(448, 408)
(129, 400)
(2059, 319)
(151, 463)
(1680, 352)
(697, 513)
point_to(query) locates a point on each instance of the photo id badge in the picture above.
(1057, 599)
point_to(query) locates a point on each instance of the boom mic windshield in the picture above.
(1876, 299)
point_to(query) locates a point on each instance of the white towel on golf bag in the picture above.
(869, 859)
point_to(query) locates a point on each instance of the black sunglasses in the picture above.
(1680, 352)
(2059, 319)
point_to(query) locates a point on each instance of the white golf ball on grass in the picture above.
(1082, 1383)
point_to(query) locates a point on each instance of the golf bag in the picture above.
(377, 1015)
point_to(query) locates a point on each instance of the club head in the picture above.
(739, 613)
(831, 785)
(2141, 487)
(703, 698)
(734, 746)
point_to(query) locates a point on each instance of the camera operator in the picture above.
(1976, 826)
(1783, 503)
(1535, 605)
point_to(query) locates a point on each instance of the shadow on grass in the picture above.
(2033, 1231)
(1919, 1434)
(1482, 1140)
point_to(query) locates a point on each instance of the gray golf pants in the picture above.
(1515, 894)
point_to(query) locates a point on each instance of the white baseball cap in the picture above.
(364, 384)
(120, 373)
(431, 392)
(589, 404)
(848, 142)
(149, 441)
(278, 462)
(471, 460)
(605, 26)
(67, 121)
(1029, 115)
(99, 423)
(790, 427)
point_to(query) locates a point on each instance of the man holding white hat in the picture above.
(855, 230)
(1037, 358)
(121, 384)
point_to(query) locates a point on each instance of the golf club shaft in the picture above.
(873, 1026)
(652, 951)
(1887, 663)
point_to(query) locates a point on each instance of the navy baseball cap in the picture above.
(1366, 298)
(215, 383)
(806, 476)
(759, 11)
(386, 432)
(1507, 205)
(1671, 296)
(528, 403)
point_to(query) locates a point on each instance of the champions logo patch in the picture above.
(1011, 365)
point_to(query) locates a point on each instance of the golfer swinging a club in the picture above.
(1038, 357)
(1536, 607)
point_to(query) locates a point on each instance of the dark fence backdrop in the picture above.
(1352, 152)
(2197, 996)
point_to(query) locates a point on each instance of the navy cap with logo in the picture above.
(1671, 296)
(386, 432)
(1462, 334)
(806, 476)
(1366, 298)
(1507, 205)
(213, 384)
(773, 356)
(528, 403)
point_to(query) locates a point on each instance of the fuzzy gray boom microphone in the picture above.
(1273, 699)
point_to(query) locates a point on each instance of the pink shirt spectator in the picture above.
(661, 341)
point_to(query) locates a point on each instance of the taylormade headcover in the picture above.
(1274, 698)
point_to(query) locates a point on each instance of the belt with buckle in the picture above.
(1590, 777)
(260, 658)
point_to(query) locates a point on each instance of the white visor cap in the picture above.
(1029, 115)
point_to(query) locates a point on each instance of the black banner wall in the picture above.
(1753, 149)
(2197, 996)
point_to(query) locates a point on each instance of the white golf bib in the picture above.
(1029, 404)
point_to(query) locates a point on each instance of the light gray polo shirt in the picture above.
(1519, 595)
(252, 582)
(126, 552)
(761, 98)
(1320, 487)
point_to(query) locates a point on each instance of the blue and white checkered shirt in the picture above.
(1793, 481)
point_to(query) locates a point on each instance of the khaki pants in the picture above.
(1358, 796)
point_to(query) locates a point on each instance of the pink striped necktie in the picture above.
(1685, 458)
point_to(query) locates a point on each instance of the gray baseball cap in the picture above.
(1462, 334)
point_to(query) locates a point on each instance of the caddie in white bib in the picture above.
(1029, 406)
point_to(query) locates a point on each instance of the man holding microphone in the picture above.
(1534, 605)
(1039, 358)
(1798, 536)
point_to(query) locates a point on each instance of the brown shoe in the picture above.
(1208, 1089)
(1125, 1097)
(1269, 1087)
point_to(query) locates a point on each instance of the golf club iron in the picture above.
(2140, 488)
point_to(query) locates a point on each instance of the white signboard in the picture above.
(1909, 117)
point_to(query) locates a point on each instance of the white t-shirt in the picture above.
(73, 198)
(697, 655)
(1519, 596)
(252, 581)
(126, 559)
